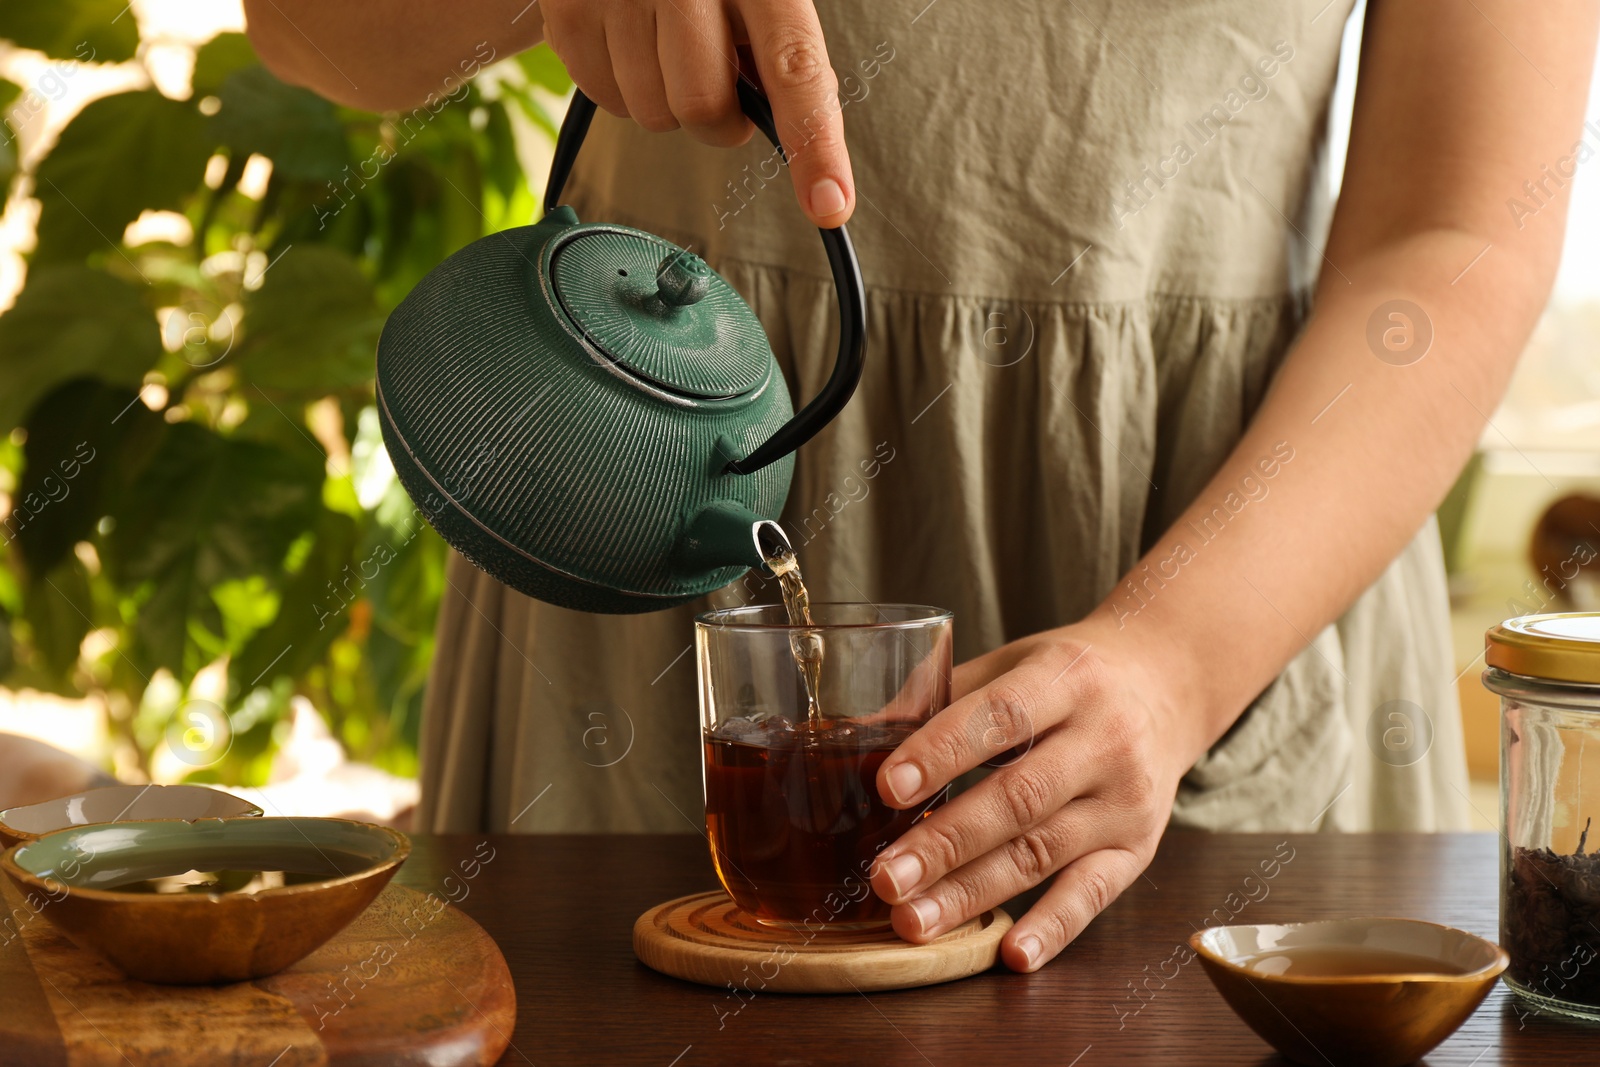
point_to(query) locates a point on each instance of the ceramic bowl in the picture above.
(120, 803)
(202, 935)
(1368, 1019)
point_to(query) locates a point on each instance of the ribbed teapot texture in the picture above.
(560, 401)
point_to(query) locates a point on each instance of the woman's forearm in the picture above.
(1363, 432)
(383, 56)
(666, 64)
(1345, 460)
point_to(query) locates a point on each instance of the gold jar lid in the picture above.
(1563, 647)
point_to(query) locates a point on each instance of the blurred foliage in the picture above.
(187, 436)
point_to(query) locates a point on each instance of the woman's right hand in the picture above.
(674, 63)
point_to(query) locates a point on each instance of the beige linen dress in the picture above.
(1088, 231)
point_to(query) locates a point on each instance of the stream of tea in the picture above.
(805, 644)
(793, 812)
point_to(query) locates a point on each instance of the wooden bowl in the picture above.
(192, 937)
(120, 803)
(1378, 1017)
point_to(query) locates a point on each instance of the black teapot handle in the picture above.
(836, 392)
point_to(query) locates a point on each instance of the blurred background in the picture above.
(208, 572)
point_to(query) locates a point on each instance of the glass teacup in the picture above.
(793, 811)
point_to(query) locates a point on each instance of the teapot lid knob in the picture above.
(682, 279)
(648, 306)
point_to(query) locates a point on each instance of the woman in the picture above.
(1169, 457)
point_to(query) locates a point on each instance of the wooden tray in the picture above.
(705, 938)
(410, 981)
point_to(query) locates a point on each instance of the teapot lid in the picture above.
(660, 312)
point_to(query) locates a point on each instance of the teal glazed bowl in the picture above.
(180, 902)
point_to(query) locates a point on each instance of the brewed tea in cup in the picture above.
(797, 721)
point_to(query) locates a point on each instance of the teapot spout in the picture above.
(724, 533)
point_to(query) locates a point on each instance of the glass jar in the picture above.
(1546, 669)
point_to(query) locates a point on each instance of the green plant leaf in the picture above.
(10, 593)
(313, 325)
(545, 69)
(218, 58)
(206, 509)
(8, 157)
(404, 594)
(9, 91)
(310, 615)
(247, 605)
(530, 108)
(8, 655)
(411, 578)
(249, 759)
(226, 508)
(90, 31)
(59, 613)
(78, 439)
(225, 541)
(119, 156)
(72, 321)
(500, 144)
(294, 127)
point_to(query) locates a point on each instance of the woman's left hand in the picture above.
(1095, 755)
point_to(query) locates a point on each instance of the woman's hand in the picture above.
(1092, 756)
(674, 63)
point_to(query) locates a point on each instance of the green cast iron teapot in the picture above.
(592, 415)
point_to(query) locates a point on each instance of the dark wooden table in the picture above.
(562, 909)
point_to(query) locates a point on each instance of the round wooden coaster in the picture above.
(705, 938)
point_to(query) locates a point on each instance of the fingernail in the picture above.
(1029, 946)
(904, 872)
(904, 782)
(827, 198)
(926, 910)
